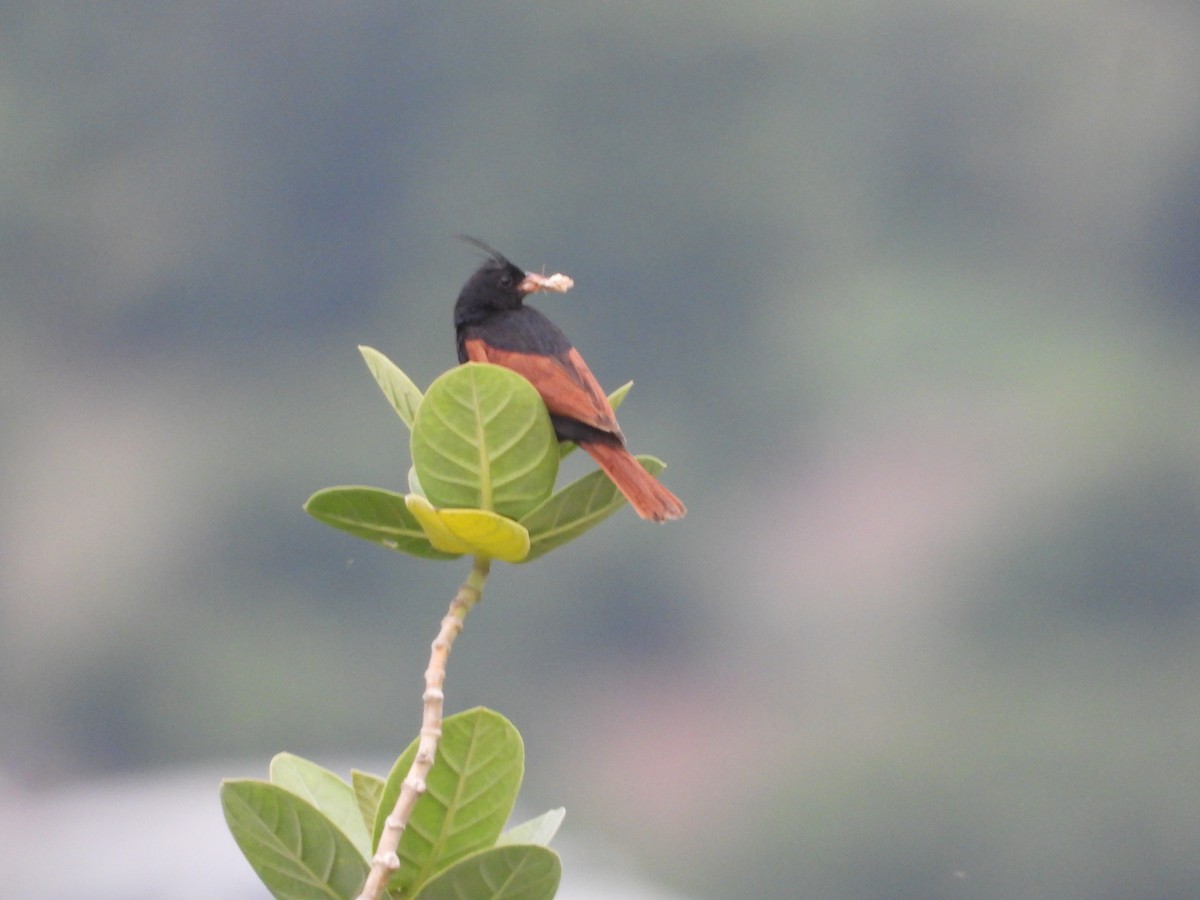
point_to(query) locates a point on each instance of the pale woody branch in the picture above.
(386, 860)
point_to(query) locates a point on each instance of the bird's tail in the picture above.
(644, 492)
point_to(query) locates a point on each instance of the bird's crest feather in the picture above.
(489, 250)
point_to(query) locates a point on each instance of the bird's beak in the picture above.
(534, 282)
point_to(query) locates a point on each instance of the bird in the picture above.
(493, 325)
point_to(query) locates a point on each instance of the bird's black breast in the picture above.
(523, 330)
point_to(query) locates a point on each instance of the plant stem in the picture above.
(386, 860)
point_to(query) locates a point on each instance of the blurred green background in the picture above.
(911, 294)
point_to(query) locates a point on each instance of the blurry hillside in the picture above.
(911, 296)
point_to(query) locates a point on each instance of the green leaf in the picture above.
(616, 398)
(539, 830)
(414, 483)
(324, 790)
(579, 506)
(469, 795)
(482, 439)
(368, 789)
(404, 396)
(374, 514)
(297, 852)
(513, 872)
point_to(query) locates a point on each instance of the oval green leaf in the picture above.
(368, 788)
(414, 483)
(578, 507)
(482, 439)
(375, 515)
(511, 872)
(296, 851)
(469, 795)
(539, 830)
(331, 795)
(404, 396)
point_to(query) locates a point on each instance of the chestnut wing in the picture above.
(566, 384)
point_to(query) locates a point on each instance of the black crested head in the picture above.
(495, 286)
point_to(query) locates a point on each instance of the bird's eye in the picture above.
(506, 280)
